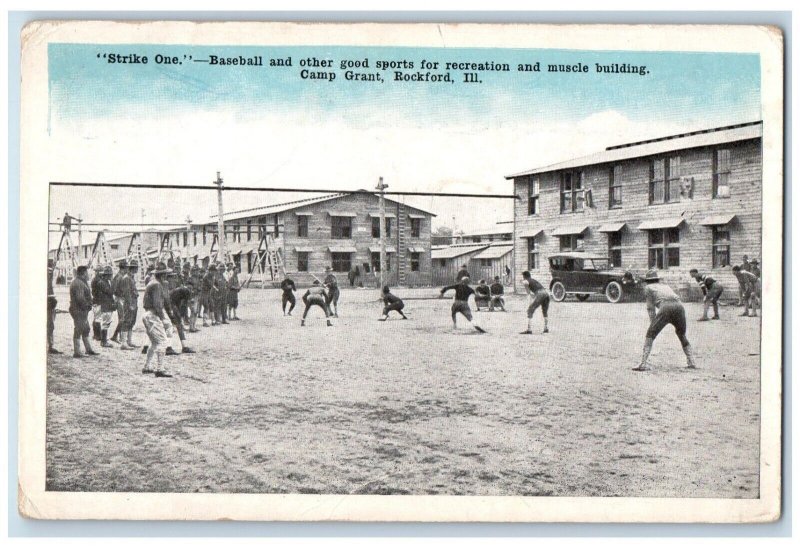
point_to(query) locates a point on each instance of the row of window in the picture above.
(343, 261)
(663, 248)
(341, 229)
(665, 184)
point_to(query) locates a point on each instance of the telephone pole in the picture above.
(381, 188)
(220, 221)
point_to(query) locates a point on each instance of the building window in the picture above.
(720, 186)
(204, 235)
(415, 261)
(664, 251)
(114, 246)
(302, 226)
(302, 261)
(721, 247)
(572, 191)
(486, 263)
(476, 239)
(276, 231)
(615, 187)
(615, 248)
(533, 254)
(571, 242)
(376, 227)
(416, 227)
(249, 230)
(388, 227)
(194, 237)
(340, 261)
(341, 229)
(533, 196)
(375, 257)
(665, 180)
(442, 263)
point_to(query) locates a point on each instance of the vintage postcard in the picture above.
(401, 272)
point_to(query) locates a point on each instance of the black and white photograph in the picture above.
(401, 272)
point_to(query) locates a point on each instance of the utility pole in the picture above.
(80, 231)
(381, 187)
(220, 220)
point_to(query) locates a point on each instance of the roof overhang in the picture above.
(416, 216)
(303, 249)
(342, 249)
(303, 213)
(416, 249)
(377, 249)
(342, 214)
(378, 215)
(611, 227)
(672, 222)
(717, 220)
(531, 233)
(569, 230)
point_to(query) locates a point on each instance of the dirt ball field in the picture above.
(365, 407)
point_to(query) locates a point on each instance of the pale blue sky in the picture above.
(267, 126)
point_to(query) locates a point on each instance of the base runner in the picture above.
(461, 302)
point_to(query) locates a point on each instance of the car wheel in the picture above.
(558, 291)
(614, 292)
(582, 296)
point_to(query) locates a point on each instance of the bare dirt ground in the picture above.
(412, 407)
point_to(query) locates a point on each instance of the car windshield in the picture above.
(596, 264)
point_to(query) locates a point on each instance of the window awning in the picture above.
(378, 215)
(531, 233)
(303, 213)
(569, 230)
(416, 249)
(303, 249)
(416, 216)
(377, 249)
(611, 227)
(661, 223)
(342, 214)
(342, 249)
(716, 220)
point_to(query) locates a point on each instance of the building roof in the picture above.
(457, 250)
(504, 228)
(495, 252)
(661, 145)
(289, 206)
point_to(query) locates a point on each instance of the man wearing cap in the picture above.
(463, 273)
(497, 290)
(664, 308)
(461, 302)
(206, 292)
(332, 285)
(745, 266)
(167, 283)
(52, 303)
(483, 295)
(194, 302)
(712, 291)
(80, 303)
(98, 279)
(155, 322)
(128, 299)
(391, 302)
(221, 301)
(117, 304)
(103, 299)
(233, 291)
(316, 295)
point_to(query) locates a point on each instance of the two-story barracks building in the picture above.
(673, 203)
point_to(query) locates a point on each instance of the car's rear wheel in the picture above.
(614, 292)
(558, 292)
(582, 296)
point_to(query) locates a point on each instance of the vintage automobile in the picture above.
(583, 274)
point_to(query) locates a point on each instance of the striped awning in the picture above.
(672, 222)
(377, 249)
(611, 227)
(717, 220)
(342, 249)
(569, 230)
(531, 233)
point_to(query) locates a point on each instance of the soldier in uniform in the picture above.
(332, 286)
(207, 287)
(287, 296)
(114, 283)
(233, 291)
(80, 304)
(194, 302)
(52, 303)
(156, 323)
(222, 295)
(664, 308)
(712, 291)
(128, 299)
(497, 290)
(103, 300)
(316, 295)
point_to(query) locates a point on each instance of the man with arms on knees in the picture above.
(537, 296)
(712, 291)
(316, 296)
(664, 308)
(497, 291)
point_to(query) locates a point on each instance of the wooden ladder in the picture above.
(66, 257)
